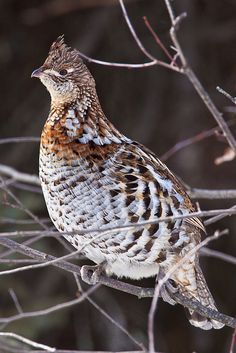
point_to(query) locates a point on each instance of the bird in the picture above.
(93, 177)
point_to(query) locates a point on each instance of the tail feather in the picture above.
(203, 295)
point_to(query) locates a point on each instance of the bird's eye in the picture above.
(63, 72)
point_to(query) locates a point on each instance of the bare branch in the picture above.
(27, 187)
(140, 292)
(212, 194)
(157, 40)
(17, 261)
(219, 255)
(27, 341)
(130, 66)
(216, 218)
(13, 173)
(187, 142)
(19, 139)
(133, 32)
(10, 349)
(194, 139)
(51, 309)
(233, 341)
(153, 61)
(6, 220)
(114, 64)
(20, 204)
(195, 81)
(226, 94)
(107, 316)
(15, 300)
(29, 213)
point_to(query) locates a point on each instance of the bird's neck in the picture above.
(82, 120)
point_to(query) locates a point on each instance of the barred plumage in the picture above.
(93, 176)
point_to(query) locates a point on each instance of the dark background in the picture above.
(154, 106)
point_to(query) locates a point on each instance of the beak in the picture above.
(37, 73)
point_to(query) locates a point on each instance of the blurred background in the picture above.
(157, 107)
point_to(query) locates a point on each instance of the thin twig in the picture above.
(226, 94)
(233, 341)
(130, 66)
(51, 309)
(157, 39)
(15, 300)
(27, 341)
(18, 350)
(218, 255)
(216, 218)
(133, 32)
(27, 187)
(188, 142)
(19, 139)
(212, 194)
(107, 316)
(153, 61)
(29, 213)
(20, 204)
(23, 177)
(17, 261)
(212, 108)
(6, 220)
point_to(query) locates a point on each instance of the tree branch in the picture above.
(187, 70)
(27, 341)
(212, 194)
(19, 176)
(219, 255)
(19, 139)
(140, 292)
(51, 309)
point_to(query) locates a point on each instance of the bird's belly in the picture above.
(79, 200)
(132, 269)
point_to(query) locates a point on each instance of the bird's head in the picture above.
(63, 73)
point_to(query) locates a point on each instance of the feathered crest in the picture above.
(61, 54)
(58, 44)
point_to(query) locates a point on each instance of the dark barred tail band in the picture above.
(205, 298)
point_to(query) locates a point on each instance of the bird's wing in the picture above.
(177, 187)
(143, 178)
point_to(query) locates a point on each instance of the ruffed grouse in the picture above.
(93, 177)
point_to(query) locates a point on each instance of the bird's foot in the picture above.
(91, 274)
(167, 291)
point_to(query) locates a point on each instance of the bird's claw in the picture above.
(91, 274)
(166, 292)
(167, 289)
